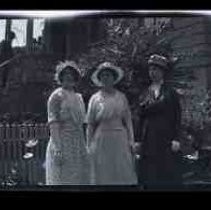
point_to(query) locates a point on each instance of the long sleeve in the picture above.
(90, 116)
(53, 107)
(178, 113)
(83, 113)
(90, 120)
(127, 120)
(82, 108)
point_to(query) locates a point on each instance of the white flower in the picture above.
(174, 59)
(189, 137)
(31, 143)
(13, 171)
(28, 155)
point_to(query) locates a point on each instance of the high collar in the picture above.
(160, 83)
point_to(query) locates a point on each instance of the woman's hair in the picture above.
(65, 71)
(68, 66)
(160, 67)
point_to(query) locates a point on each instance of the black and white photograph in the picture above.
(105, 98)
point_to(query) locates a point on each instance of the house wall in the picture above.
(193, 43)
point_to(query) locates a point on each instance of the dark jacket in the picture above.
(161, 120)
(160, 124)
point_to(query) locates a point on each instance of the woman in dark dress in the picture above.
(160, 115)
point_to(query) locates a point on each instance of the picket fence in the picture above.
(22, 153)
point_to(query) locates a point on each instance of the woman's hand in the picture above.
(147, 101)
(58, 157)
(91, 148)
(136, 147)
(175, 146)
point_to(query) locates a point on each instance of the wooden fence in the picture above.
(22, 153)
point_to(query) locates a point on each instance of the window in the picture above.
(2, 29)
(38, 27)
(19, 27)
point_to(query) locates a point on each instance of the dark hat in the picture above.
(159, 61)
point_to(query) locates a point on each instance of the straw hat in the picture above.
(66, 64)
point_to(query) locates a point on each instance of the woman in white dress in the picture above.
(66, 156)
(110, 132)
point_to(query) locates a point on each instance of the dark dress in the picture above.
(160, 121)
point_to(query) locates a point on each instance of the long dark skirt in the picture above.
(160, 172)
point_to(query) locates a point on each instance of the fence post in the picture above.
(1, 131)
(6, 158)
(37, 130)
(24, 130)
(41, 130)
(14, 131)
(23, 135)
(47, 132)
(7, 132)
(31, 131)
(13, 141)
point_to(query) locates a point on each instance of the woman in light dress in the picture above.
(110, 132)
(66, 156)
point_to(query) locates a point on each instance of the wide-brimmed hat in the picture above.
(64, 65)
(110, 67)
(159, 60)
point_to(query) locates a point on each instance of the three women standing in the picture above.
(109, 135)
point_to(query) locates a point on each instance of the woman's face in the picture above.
(68, 79)
(156, 73)
(107, 78)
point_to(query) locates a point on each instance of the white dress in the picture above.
(67, 108)
(111, 157)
